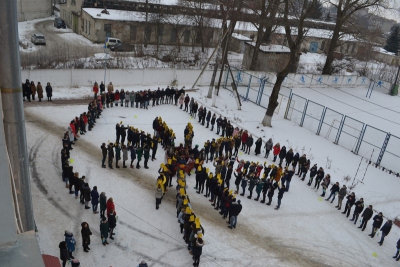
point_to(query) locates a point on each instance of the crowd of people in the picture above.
(29, 90)
(183, 160)
(138, 99)
(81, 189)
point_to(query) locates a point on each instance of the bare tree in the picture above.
(179, 23)
(294, 37)
(199, 19)
(267, 14)
(345, 9)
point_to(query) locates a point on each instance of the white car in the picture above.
(38, 39)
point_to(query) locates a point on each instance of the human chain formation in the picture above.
(80, 188)
(183, 160)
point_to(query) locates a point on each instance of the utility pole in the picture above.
(13, 112)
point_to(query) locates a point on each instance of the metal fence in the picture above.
(361, 139)
(256, 89)
(354, 135)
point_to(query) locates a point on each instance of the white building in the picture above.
(34, 9)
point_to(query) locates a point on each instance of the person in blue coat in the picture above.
(70, 241)
(95, 199)
(244, 184)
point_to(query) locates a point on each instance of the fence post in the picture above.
(304, 114)
(248, 87)
(227, 75)
(321, 121)
(288, 104)
(360, 139)
(261, 91)
(340, 130)
(383, 149)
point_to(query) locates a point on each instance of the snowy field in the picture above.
(306, 231)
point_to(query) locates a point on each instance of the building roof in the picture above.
(240, 37)
(121, 15)
(271, 48)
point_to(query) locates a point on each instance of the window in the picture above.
(186, 36)
(173, 36)
(85, 25)
(347, 48)
(160, 33)
(73, 2)
(89, 26)
(107, 29)
(133, 33)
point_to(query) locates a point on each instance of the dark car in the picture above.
(59, 23)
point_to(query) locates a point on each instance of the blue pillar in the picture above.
(340, 129)
(304, 114)
(360, 139)
(321, 121)
(383, 149)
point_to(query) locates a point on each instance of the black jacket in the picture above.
(359, 207)
(387, 227)
(235, 209)
(63, 251)
(86, 233)
(367, 214)
(378, 220)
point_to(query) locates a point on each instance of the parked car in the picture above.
(59, 23)
(114, 44)
(38, 38)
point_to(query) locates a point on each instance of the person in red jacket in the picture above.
(116, 98)
(95, 89)
(277, 150)
(110, 206)
(245, 134)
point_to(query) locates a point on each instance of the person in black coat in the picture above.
(249, 144)
(104, 153)
(64, 255)
(49, 92)
(281, 191)
(265, 188)
(197, 251)
(320, 176)
(86, 194)
(271, 192)
(351, 199)
(282, 155)
(334, 190)
(117, 132)
(289, 157)
(366, 215)
(385, 230)
(112, 223)
(234, 210)
(357, 210)
(258, 146)
(86, 233)
(398, 251)
(378, 220)
(95, 199)
(213, 118)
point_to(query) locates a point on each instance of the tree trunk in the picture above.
(273, 99)
(253, 65)
(331, 50)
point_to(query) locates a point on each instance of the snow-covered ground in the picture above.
(306, 231)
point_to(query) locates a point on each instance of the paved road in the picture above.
(61, 44)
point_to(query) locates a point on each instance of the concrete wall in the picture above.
(33, 9)
(119, 77)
